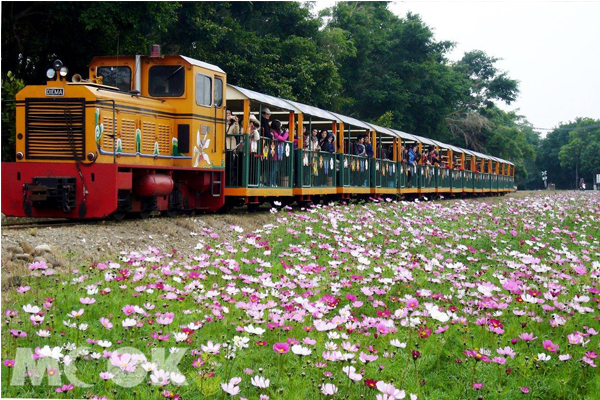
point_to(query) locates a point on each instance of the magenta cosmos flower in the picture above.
(548, 345)
(281, 348)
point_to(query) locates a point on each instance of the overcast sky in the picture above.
(551, 48)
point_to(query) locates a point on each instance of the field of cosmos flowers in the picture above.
(388, 300)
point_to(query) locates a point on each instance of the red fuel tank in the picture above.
(153, 185)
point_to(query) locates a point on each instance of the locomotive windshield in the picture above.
(166, 81)
(116, 76)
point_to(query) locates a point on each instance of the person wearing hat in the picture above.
(264, 122)
(254, 133)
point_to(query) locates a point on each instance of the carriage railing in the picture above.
(468, 179)
(427, 177)
(384, 173)
(261, 163)
(316, 168)
(444, 177)
(354, 171)
(457, 179)
(409, 175)
(235, 152)
(402, 175)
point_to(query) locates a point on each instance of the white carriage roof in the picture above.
(239, 93)
(313, 111)
(404, 135)
(381, 129)
(351, 121)
(202, 64)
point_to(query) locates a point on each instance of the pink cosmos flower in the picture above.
(106, 323)
(106, 375)
(390, 391)
(412, 303)
(477, 385)
(527, 337)
(549, 346)
(232, 388)
(507, 351)
(366, 358)
(281, 348)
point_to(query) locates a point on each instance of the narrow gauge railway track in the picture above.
(45, 224)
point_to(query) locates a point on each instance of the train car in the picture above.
(147, 135)
(141, 135)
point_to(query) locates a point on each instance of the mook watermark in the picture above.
(126, 366)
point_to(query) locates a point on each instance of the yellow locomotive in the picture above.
(143, 134)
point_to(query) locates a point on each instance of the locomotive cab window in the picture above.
(116, 76)
(203, 90)
(218, 92)
(166, 81)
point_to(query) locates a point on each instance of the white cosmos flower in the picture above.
(256, 331)
(54, 352)
(148, 366)
(260, 382)
(104, 343)
(128, 322)
(397, 343)
(31, 309)
(543, 357)
(43, 333)
(160, 377)
(180, 336)
(301, 350)
(75, 313)
(241, 342)
(177, 379)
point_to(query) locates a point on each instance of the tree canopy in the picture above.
(356, 58)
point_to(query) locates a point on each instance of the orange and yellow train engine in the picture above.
(144, 134)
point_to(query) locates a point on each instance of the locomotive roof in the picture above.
(202, 64)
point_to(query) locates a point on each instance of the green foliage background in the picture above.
(356, 58)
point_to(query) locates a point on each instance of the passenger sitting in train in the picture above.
(411, 155)
(254, 134)
(233, 128)
(264, 122)
(329, 144)
(368, 147)
(435, 158)
(359, 147)
(426, 157)
(322, 139)
(314, 140)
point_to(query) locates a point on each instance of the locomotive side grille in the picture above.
(164, 134)
(107, 140)
(148, 137)
(128, 135)
(55, 128)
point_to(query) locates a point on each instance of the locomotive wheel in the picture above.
(172, 213)
(118, 216)
(252, 207)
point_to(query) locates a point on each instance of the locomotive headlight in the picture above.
(50, 73)
(91, 157)
(20, 156)
(57, 65)
(64, 71)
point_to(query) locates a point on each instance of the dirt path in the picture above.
(86, 243)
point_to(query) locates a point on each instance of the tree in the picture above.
(482, 84)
